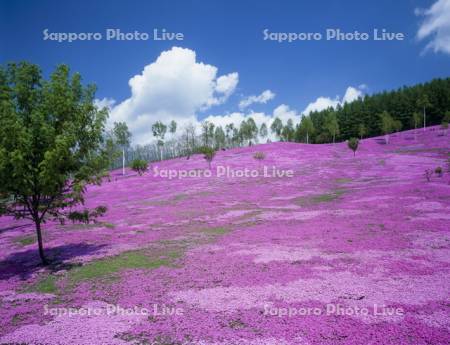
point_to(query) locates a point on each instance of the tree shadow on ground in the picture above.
(13, 227)
(24, 264)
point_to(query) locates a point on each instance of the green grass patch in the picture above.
(324, 197)
(180, 197)
(174, 254)
(343, 180)
(248, 215)
(421, 150)
(45, 285)
(104, 271)
(25, 240)
(217, 230)
(109, 266)
(203, 193)
(167, 202)
(82, 226)
(319, 198)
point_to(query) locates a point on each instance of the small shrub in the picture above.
(140, 166)
(79, 216)
(353, 144)
(208, 154)
(86, 216)
(259, 156)
(438, 171)
(428, 174)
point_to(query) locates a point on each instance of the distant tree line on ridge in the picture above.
(380, 113)
(372, 115)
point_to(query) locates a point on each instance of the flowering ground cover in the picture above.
(350, 250)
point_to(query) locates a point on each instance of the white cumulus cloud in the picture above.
(104, 103)
(224, 87)
(264, 97)
(436, 26)
(322, 103)
(174, 87)
(352, 94)
(285, 113)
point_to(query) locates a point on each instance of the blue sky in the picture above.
(229, 36)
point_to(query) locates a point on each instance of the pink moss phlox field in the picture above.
(350, 250)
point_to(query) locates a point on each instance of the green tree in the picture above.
(398, 103)
(276, 127)
(208, 154)
(207, 132)
(190, 139)
(446, 117)
(444, 127)
(353, 144)
(159, 130)
(445, 122)
(172, 131)
(263, 132)
(122, 136)
(305, 129)
(111, 147)
(219, 137)
(387, 125)
(332, 125)
(172, 127)
(362, 130)
(288, 131)
(237, 137)
(51, 146)
(423, 103)
(415, 120)
(249, 130)
(397, 125)
(229, 133)
(139, 165)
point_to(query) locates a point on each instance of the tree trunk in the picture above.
(39, 238)
(123, 161)
(307, 138)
